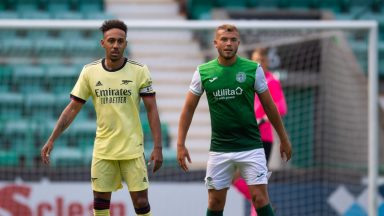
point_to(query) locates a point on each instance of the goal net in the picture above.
(323, 69)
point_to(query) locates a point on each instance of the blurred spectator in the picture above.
(260, 55)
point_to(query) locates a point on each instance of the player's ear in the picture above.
(102, 43)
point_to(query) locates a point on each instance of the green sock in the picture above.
(265, 211)
(214, 213)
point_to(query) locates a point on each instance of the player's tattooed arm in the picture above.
(63, 123)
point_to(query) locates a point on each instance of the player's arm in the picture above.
(154, 123)
(63, 123)
(275, 119)
(186, 116)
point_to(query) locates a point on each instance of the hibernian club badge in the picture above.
(241, 77)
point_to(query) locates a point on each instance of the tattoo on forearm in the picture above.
(63, 123)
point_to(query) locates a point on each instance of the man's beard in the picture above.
(115, 58)
(231, 55)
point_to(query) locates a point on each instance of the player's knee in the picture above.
(143, 210)
(215, 203)
(101, 204)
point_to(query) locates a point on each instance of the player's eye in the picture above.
(111, 41)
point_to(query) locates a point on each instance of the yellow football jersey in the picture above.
(116, 98)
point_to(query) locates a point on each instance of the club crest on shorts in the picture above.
(241, 77)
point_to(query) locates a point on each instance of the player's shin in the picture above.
(101, 207)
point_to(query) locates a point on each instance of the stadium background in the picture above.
(39, 67)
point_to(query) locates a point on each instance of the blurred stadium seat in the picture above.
(11, 106)
(28, 78)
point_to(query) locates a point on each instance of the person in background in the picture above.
(260, 55)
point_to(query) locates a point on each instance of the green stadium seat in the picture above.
(5, 78)
(9, 4)
(98, 15)
(45, 130)
(90, 7)
(64, 156)
(263, 3)
(9, 158)
(78, 145)
(11, 106)
(20, 136)
(4, 34)
(84, 47)
(22, 7)
(34, 15)
(148, 141)
(16, 46)
(242, 4)
(60, 78)
(40, 106)
(71, 34)
(48, 60)
(49, 47)
(68, 15)
(9, 15)
(38, 34)
(57, 6)
(95, 35)
(381, 59)
(3, 6)
(199, 9)
(80, 61)
(28, 78)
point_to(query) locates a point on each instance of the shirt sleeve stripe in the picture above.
(73, 97)
(147, 94)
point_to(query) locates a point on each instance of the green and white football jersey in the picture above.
(231, 92)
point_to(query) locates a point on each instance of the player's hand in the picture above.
(182, 153)
(46, 151)
(156, 158)
(285, 150)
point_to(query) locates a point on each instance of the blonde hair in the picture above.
(227, 27)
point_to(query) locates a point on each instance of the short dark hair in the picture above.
(111, 24)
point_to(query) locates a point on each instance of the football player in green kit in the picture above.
(230, 83)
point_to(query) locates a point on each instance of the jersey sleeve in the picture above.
(81, 90)
(196, 87)
(145, 88)
(260, 81)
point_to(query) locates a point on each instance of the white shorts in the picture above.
(222, 166)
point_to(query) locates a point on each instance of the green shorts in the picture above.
(107, 175)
